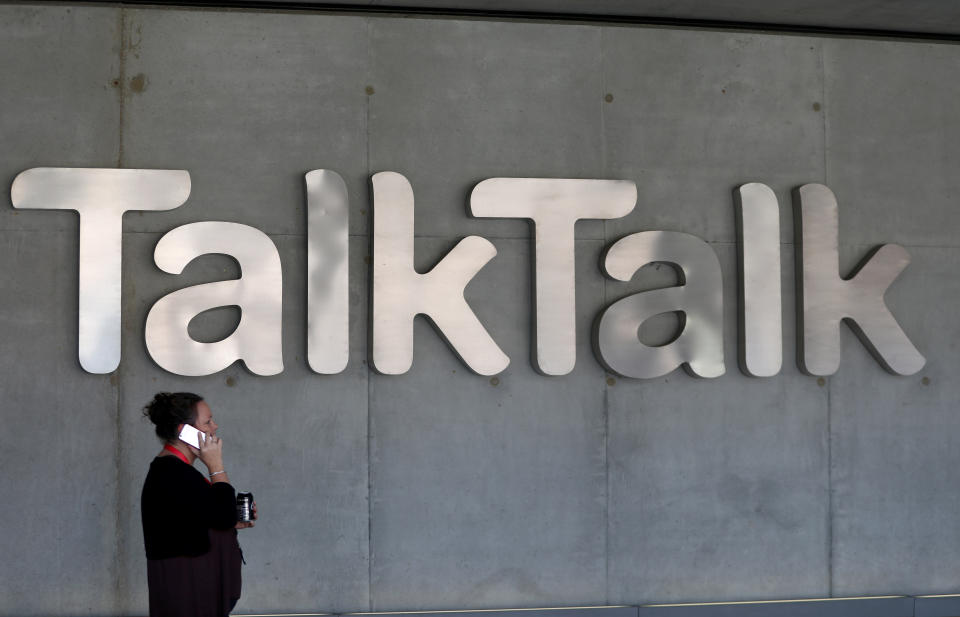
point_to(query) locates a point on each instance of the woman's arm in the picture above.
(222, 509)
(211, 453)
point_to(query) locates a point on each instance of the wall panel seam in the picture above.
(369, 250)
(121, 85)
(606, 389)
(825, 109)
(830, 517)
(119, 543)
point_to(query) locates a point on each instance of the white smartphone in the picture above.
(191, 435)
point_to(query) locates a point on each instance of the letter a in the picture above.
(824, 299)
(258, 293)
(400, 293)
(100, 196)
(699, 296)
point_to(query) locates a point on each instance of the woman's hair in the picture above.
(168, 410)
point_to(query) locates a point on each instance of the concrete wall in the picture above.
(439, 488)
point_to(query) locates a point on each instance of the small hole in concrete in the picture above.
(231, 382)
(816, 107)
(608, 98)
(611, 381)
(821, 381)
(369, 90)
(925, 381)
(494, 381)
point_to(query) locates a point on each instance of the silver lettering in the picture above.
(699, 347)
(554, 206)
(258, 293)
(100, 196)
(400, 293)
(328, 287)
(758, 253)
(824, 299)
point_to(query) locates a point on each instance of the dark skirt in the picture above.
(204, 586)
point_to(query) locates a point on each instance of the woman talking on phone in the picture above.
(189, 519)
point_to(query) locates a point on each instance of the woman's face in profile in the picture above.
(204, 421)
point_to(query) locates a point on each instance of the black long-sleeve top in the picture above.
(178, 506)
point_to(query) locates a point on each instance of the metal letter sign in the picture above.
(257, 292)
(699, 295)
(825, 298)
(554, 206)
(758, 257)
(328, 284)
(100, 196)
(400, 293)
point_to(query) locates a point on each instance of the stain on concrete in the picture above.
(133, 40)
(138, 83)
(756, 499)
(505, 582)
(816, 107)
(369, 90)
(129, 302)
(611, 381)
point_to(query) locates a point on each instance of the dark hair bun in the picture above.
(168, 410)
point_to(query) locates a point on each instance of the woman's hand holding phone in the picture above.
(190, 435)
(211, 453)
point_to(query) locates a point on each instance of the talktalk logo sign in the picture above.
(400, 292)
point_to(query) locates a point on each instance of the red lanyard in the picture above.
(180, 455)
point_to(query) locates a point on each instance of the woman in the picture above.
(189, 521)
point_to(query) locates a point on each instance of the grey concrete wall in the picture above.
(439, 488)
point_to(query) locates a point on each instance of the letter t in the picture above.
(100, 196)
(554, 206)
